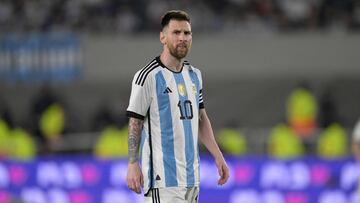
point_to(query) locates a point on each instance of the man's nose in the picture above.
(182, 37)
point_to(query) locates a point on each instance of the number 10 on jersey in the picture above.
(186, 110)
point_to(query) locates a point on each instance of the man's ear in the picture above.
(162, 37)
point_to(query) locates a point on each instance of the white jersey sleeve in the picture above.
(140, 98)
(201, 99)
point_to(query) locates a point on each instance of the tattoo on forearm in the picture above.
(135, 127)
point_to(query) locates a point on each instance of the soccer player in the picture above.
(167, 116)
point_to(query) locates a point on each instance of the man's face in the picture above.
(177, 37)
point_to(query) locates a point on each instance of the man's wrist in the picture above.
(132, 160)
(218, 157)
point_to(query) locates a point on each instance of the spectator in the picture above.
(5, 114)
(284, 143)
(232, 141)
(328, 111)
(48, 115)
(333, 142)
(265, 9)
(298, 14)
(6, 124)
(129, 16)
(51, 124)
(102, 118)
(23, 147)
(109, 114)
(4, 139)
(56, 15)
(112, 143)
(302, 110)
(5, 14)
(336, 12)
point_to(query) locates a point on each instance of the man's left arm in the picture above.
(355, 146)
(206, 136)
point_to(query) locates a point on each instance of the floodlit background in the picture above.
(281, 87)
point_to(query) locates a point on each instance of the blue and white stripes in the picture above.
(174, 100)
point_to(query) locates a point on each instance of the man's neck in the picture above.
(171, 62)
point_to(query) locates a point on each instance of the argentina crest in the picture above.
(182, 89)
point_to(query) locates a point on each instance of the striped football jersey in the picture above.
(169, 103)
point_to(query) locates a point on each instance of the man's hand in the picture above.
(222, 170)
(134, 177)
(356, 150)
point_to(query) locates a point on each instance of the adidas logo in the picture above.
(157, 177)
(167, 91)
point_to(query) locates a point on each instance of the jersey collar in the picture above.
(185, 63)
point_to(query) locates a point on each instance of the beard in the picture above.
(179, 51)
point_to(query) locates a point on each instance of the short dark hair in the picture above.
(174, 14)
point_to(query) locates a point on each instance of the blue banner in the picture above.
(253, 180)
(40, 57)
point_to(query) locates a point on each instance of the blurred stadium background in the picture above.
(281, 77)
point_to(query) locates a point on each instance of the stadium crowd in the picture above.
(138, 16)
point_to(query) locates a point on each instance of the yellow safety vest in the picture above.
(301, 105)
(333, 142)
(302, 112)
(52, 121)
(22, 145)
(4, 138)
(112, 143)
(232, 141)
(284, 143)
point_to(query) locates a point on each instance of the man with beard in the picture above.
(167, 116)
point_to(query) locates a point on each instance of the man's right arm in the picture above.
(139, 104)
(134, 178)
(135, 127)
